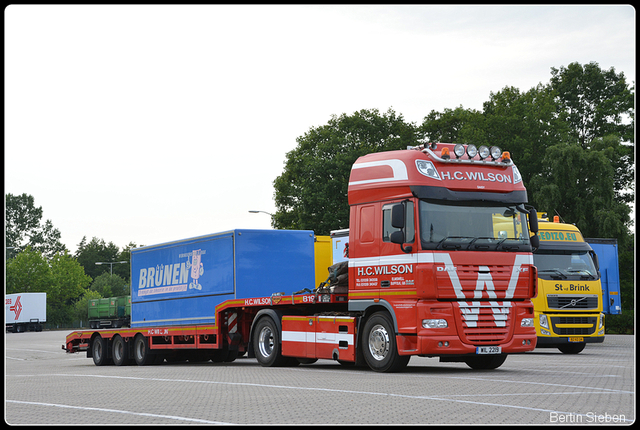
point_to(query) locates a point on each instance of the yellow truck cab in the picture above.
(568, 307)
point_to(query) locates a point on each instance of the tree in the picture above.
(68, 283)
(621, 158)
(97, 250)
(525, 124)
(81, 307)
(24, 227)
(124, 270)
(597, 102)
(61, 277)
(454, 126)
(110, 285)
(311, 193)
(599, 107)
(28, 272)
(577, 184)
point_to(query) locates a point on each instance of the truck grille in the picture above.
(485, 322)
(496, 277)
(564, 302)
(568, 331)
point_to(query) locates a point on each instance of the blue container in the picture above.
(607, 252)
(182, 282)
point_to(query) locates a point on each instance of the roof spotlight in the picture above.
(496, 152)
(483, 151)
(472, 151)
(458, 150)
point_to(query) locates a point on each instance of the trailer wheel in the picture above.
(486, 362)
(266, 343)
(379, 345)
(99, 351)
(141, 351)
(120, 351)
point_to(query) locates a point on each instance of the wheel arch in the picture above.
(369, 307)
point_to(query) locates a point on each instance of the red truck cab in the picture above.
(440, 257)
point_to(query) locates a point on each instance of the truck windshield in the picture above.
(564, 264)
(474, 226)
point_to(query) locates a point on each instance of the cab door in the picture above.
(364, 252)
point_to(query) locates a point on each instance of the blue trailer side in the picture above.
(607, 252)
(182, 282)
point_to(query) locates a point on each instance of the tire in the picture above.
(120, 351)
(266, 343)
(379, 345)
(141, 352)
(572, 348)
(486, 362)
(100, 351)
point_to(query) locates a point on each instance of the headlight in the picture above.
(526, 322)
(483, 151)
(472, 151)
(435, 323)
(458, 150)
(496, 152)
(601, 321)
(543, 321)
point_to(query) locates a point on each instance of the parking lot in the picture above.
(45, 385)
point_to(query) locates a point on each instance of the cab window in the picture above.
(387, 229)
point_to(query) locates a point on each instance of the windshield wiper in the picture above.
(482, 246)
(584, 274)
(558, 274)
(442, 244)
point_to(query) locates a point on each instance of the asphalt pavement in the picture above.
(45, 385)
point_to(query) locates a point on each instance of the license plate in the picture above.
(576, 339)
(488, 350)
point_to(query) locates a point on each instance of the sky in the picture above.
(148, 124)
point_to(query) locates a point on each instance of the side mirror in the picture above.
(397, 237)
(397, 217)
(533, 220)
(595, 260)
(398, 221)
(535, 241)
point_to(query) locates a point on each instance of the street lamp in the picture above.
(110, 263)
(261, 212)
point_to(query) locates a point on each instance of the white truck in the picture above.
(25, 311)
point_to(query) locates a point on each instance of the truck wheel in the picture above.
(572, 348)
(266, 343)
(141, 351)
(379, 345)
(99, 351)
(120, 351)
(486, 362)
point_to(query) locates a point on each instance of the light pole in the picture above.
(261, 212)
(98, 263)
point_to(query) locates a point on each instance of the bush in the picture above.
(619, 324)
